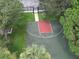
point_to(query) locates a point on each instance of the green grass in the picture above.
(42, 16)
(29, 17)
(18, 40)
(19, 33)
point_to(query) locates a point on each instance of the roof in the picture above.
(30, 3)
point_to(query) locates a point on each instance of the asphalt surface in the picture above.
(55, 42)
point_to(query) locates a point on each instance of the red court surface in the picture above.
(44, 26)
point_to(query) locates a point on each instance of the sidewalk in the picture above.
(36, 15)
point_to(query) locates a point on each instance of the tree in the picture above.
(74, 3)
(54, 8)
(70, 23)
(9, 13)
(35, 52)
(5, 54)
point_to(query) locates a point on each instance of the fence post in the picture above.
(38, 9)
(33, 9)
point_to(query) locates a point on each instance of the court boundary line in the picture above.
(43, 36)
(51, 27)
(39, 29)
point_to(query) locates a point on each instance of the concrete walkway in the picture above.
(36, 15)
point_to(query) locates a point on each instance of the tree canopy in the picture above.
(9, 12)
(54, 7)
(5, 54)
(70, 23)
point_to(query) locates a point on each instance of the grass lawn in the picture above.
(29, 17)
(19, 33)
(43, 16)
(18, 40)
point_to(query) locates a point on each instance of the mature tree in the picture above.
(9, 13)
(54, 7)
(74, 3)
(35, 52)
(70, 25)
(5, 54)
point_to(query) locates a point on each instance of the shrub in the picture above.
(70, 25)
(35, 52)
(5, 54)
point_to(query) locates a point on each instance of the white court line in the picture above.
(51, 26)
(40, 36)
(39, 29)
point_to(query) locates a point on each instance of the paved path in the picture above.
(56, 45)
(36, 15)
